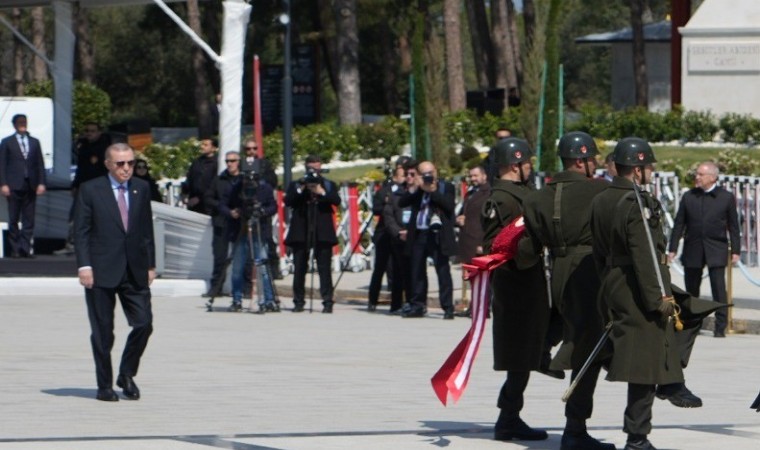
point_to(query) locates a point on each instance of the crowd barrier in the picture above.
(355, 223)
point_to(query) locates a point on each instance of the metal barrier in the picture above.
(355, 216)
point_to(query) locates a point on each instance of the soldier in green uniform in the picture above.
(557, 217)
(636, 291)
(520, 303)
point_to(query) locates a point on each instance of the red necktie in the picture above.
(123, 210)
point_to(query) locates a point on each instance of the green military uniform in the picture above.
(520, 304)
(574, 282)
(645, 352)
(630, 287)
(557, 217)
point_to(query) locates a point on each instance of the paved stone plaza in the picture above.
(350, 380)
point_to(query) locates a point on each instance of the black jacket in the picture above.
(264, 200)
(222, 184)
(442, 202)
(91, 159)
(199, 177)
(706, 221)
(301, 202)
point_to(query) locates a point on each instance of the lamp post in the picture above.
(287, 100)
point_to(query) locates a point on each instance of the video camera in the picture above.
(428, 178)
(249, 179)
(313, 176)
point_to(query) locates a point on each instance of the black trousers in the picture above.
(426, 245)
(382, 262)
(580, 405)
(21, 205)
(693, 281)
(323, 256)
(511, 397)
(135, 301)
(401, 284)
(220, 247)
(638, 411)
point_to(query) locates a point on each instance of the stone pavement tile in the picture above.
(312, 381)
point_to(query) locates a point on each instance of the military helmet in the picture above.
(511, 150)
(633, 151)
(577, 145)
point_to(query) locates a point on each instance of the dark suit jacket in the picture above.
(471, 234)
(706, 220)
(99, 236)
(443, 204)
(91, 159)
(13, 164)
(300, 205)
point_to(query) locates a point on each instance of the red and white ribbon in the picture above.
(454, 374)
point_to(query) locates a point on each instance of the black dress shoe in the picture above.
(327, 309)
(719, 334)
(371, 307)
(517, 430)
(298, 308)
(128, 386)
(448, 314)
(679, 395)
(107, 395)
(582, 441)
(414, 313)
(638, 442)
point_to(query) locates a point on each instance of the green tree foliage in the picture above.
(90, 103)
(171, 161)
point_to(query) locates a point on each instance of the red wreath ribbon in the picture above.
(452, 377)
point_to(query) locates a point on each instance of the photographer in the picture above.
(249, 205)
(311, 200)
(430, 233)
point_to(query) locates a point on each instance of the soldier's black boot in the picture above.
(582, 441)
(514, 429)
(576, 437)
(638, 442)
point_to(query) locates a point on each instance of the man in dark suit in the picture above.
(113, 232)
(200, 176)
(430, 233)
(396, 220)
(22, 179)
(311, 200)
(706, 219)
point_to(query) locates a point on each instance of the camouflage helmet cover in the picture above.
(633, 151)
(577, 145)
(512, 151)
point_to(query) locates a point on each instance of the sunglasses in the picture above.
(251, 148)
(231, 160)
(130, 163)
(141, 166)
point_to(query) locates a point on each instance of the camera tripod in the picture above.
(260, 268)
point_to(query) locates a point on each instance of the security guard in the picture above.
(557, 217)
(636, 291)
(520, 303)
